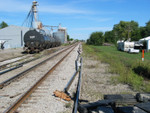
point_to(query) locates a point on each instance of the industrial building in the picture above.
(61, 34)
(12, 36)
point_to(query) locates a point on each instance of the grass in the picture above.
(131, 69)
(68, 105)
(91, 66)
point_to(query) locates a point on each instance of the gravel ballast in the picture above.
(48, 103)
(13, 91)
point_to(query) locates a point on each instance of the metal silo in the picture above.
(59, 36)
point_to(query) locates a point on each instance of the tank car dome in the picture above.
(32, 35)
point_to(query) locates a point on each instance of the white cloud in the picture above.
(20, 6)
(79, 36)
(61, 9)
(13, 6)
(67, 8)
(86, 1)
(90, 18)
(85, 32)
(93, 29)
(98, 19)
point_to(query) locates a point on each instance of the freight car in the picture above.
(37, 40)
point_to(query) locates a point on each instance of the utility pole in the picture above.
(129, 30)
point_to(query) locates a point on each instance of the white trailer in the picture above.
(134, 50)
(125, 46)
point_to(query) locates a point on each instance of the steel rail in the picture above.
(8, 81)
(70, 82)
(78, 90)
(18, 65)
(10, 59)
(4, 65)
(14, 107)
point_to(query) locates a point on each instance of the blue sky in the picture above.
(81, 17)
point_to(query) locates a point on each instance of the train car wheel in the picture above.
(37, 50)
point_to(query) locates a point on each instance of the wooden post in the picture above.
(142, 55)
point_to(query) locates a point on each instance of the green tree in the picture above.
(136, 35)
(3, 25)
(124, 29)
(96, 38)
(71, 39)
(109, 36)
(68, 38)
(142, 32)
(88, 41)
(119, 29)
(147, 28)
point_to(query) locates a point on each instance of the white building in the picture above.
(13, 35)
(147, 39)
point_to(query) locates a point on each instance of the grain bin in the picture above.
(59, 36)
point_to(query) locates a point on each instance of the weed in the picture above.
(68, 105)
(128, 66)
(90, 66)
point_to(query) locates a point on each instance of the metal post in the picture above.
(78, 90)
(142, 55)
(70, 82)
(21, 38)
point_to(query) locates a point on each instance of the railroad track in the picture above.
(8, 80)
(15, 63)
(6, 63)
(38, 82)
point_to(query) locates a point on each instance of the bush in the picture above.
(96, 38)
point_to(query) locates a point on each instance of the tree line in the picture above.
(69, 39)
(3, 24)
(121, 31)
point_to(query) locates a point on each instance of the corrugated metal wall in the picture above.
(59, 35)
(13, 35)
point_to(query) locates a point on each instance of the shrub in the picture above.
(96, 38)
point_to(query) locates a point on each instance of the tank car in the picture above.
(38, 40)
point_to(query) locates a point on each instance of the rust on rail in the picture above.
(14, 107)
